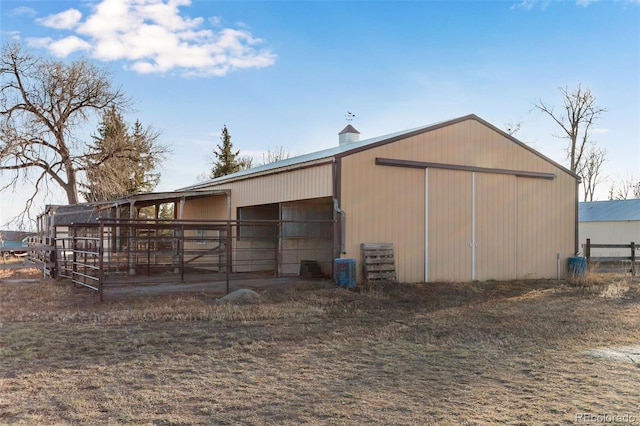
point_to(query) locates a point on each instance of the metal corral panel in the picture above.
(521, 222)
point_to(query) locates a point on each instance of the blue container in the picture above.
(344, 272)
(577, 266)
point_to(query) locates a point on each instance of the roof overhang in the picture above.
(153, 198)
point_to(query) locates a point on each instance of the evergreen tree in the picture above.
(226, 161)
(121, 162)
(144, 160)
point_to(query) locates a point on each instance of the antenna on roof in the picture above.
(349, 116)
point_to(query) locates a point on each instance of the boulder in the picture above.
(242, 296)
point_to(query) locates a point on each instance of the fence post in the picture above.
(180, 242)
(229, 242)
(101, 260)
(148, 250)
(633, 259)
(74, 258)
(587, 253)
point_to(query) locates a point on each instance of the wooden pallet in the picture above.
(378, 262)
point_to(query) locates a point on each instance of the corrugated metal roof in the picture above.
(609, 211)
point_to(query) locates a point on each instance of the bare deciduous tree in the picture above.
(590, 170)
(513, 127)
(576, 120)
(278, 154)
(42, 103)
(625, 188)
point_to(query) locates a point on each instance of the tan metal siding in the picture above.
(306, 183)
(302, 184)
(213, 207)
(468, 143)
(545, 226)
(495, 226)
(450, 225)
(384, 204)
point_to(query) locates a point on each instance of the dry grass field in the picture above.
(410, 354)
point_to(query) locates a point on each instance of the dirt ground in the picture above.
(125, 286)
(519, 352)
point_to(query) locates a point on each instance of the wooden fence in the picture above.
(608, 259)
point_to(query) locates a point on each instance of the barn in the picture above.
(459, 200)
(609, 222)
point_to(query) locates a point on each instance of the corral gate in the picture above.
(94, 255)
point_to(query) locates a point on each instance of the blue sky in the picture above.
(285, 73)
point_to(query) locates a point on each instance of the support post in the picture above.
(633, 259)
(587, 253)
(148, 250)
(133, 231)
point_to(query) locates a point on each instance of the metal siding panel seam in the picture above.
(473, 226)
(426, 225)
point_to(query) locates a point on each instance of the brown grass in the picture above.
(447, 353)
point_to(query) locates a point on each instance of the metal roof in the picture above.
(609, 211)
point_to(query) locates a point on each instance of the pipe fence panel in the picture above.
(95, 255)
(78, 253)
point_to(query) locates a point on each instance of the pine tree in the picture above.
(121, 163)
(226, 160)
(144, 160)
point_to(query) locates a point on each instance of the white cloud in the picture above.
(531, 4)
(66, 20)
(217, 21)
(13, 35)
(599, 131)
(23, 11)
(39, 43)
(60, 48)
(68, 45)
(151, 36)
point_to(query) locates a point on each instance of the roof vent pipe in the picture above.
(348, 135)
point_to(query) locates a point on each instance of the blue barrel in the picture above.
(577, 266)
(344, 272)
